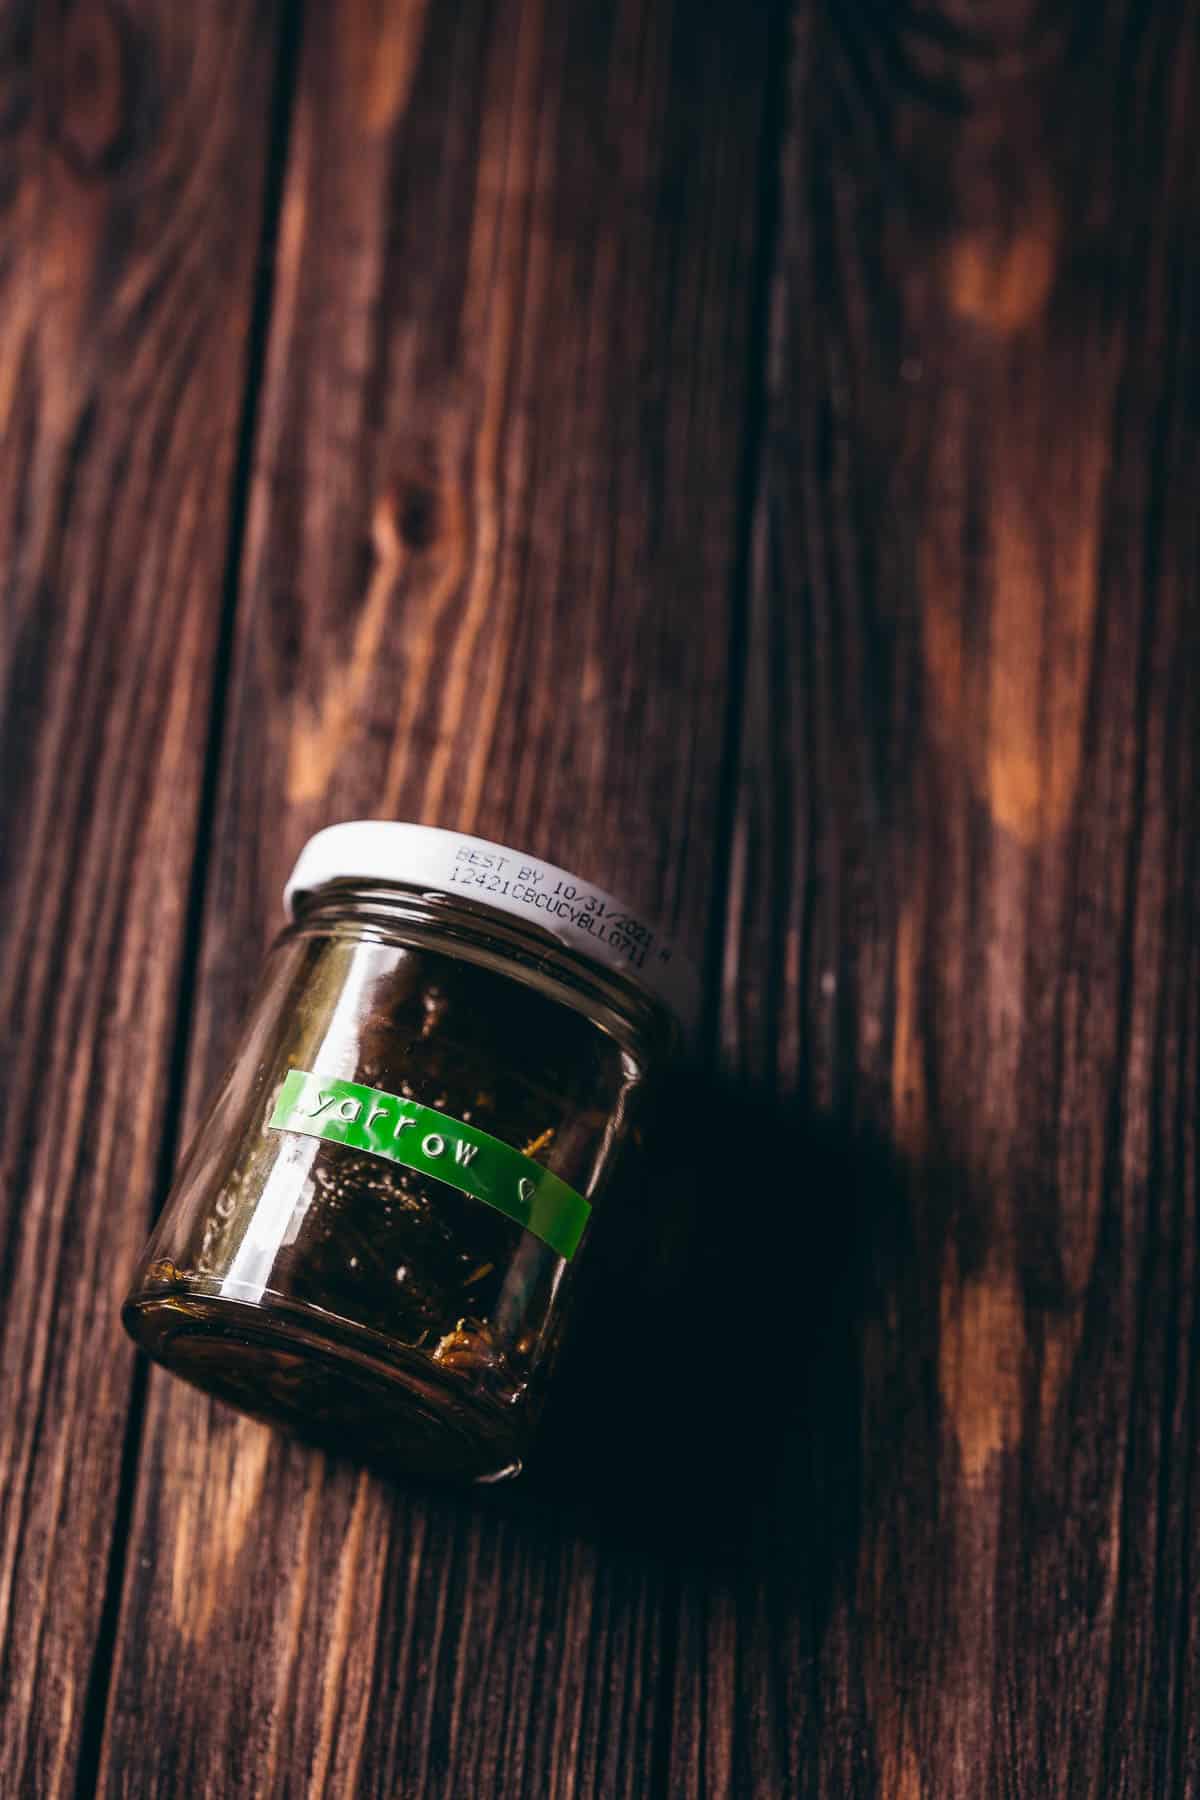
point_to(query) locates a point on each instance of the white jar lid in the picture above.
(585, 918)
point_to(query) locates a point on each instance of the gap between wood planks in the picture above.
(758, 337)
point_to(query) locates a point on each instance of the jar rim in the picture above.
(587, 919)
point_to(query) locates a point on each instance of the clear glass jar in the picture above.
(372, 1237)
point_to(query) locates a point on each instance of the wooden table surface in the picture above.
(750, 453)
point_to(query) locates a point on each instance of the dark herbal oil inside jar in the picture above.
(353, 1298)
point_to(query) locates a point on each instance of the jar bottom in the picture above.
(324, 1378)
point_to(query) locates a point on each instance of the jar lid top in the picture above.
(583, 917)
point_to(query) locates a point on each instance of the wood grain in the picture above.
(133, 143)
(488, 583)
(873, 1471)
(962, 952)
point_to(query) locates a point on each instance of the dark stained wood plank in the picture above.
(488, 583)
(133, 148)
(962, 982)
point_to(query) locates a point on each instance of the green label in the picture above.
(433, 1143)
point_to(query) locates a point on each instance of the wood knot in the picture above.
(90, 93)
(417, 513)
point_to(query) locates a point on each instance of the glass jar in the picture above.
(372, 1236)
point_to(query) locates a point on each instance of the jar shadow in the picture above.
(708, 1404)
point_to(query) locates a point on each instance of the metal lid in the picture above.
(585, 918)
